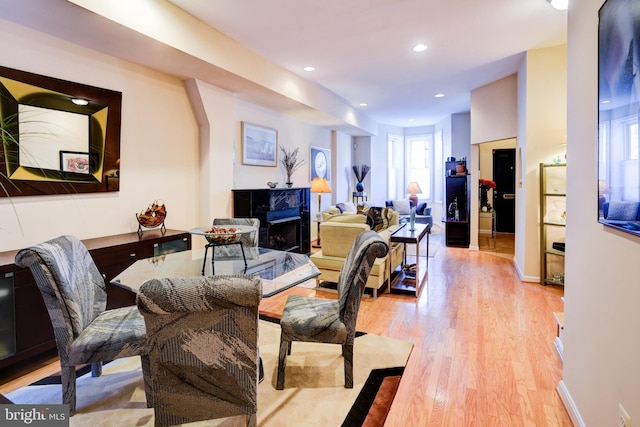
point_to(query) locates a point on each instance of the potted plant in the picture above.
(361, 173)
(290, 162)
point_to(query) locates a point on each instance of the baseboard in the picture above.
(557, 343)
(570, 405)
(474, 248)
(522, 276)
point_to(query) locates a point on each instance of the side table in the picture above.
(404, 235)
(359, 195)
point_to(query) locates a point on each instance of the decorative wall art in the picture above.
(259, 145)
(45, 124)
(319, 163)
(619, 109)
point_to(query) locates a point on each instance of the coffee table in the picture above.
(279, 270)
(405, 235)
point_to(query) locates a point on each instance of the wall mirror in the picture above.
(58, 137)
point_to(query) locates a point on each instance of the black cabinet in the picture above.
(283, 213)
(32, 331)
(457, 204)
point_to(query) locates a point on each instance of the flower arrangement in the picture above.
(290, 162)
(361, 171)
(487, 184)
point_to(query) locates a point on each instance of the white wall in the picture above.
(602, 294)
(159, 146)
(494, 108)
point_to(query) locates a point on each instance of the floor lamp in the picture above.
(414, 188)
(319, 185)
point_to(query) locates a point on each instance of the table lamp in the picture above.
(413, 189)
(320, 185)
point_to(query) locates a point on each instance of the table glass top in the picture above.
(279, 270)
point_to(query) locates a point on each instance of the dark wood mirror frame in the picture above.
(103, 109)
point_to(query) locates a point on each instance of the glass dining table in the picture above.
(279, 270)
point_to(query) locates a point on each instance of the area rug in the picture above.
(314, 393)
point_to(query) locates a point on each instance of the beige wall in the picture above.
(494, 108)
(541, 131)
(159, 146)
(602, 343)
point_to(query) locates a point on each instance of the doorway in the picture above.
(504, 195)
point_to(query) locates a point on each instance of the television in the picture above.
(618, 115)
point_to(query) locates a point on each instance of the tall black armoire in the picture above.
(283, 214)
(456, 219)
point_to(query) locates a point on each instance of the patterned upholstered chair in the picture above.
(203, 338)
(311, 319)
(249, 248)
(75, 295)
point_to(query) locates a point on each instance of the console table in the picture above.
(26, 328)
(404, 235)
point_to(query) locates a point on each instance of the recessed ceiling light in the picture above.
(420, 47)
(560, 4)
(309, 68)
(411, 120)
(439, 95)
(363, 104)
(606, 101)
(79, 101)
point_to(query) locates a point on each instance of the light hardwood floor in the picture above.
(483, 345)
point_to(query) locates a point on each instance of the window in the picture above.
(395, 167)
(419, 163)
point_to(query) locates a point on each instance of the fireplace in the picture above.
(283, 214)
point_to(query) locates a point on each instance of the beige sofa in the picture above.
(337, 233)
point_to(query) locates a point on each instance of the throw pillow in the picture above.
(377, 217)
(623, 211)
(402, 206)
(349, 207)
(340, 207)
(420, 209)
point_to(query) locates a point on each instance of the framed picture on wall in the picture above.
(618, 115)
(319, 163)
(259, 145)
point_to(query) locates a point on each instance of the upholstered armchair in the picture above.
(311, 319)
(203, 338)
(75, 295)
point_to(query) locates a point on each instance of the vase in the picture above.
(359, 187)
(484, 198)
(289, 184)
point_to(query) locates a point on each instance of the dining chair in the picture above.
(310, 319)
(74, 293)
(248, 243)
(203, 338)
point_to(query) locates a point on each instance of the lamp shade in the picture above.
(413, 188)
(320, 185)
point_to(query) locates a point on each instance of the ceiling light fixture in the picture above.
(363, 104)
(309, 68)
(559, 4)
(420, 47)
(439, 95)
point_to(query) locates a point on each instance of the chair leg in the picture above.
(252, 420)
(146, 375)
(68, 377)
(96, 369)
(285, 346)
(347, 352)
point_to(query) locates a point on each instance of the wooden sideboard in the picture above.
(31, 329)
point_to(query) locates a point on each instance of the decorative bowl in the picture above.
(218, 235)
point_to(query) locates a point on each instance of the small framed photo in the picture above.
(319, 163)
(259, 145)
(75, 161)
